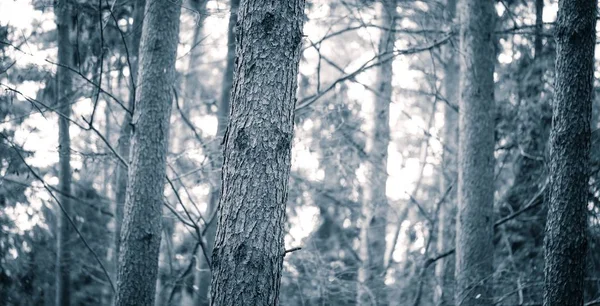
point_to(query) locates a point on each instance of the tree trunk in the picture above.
(124, 145)
(140, 235)
(202, 278)
(249, 248)
(372, 273)
(64, 23)
(566, 243)
(444, 269)
(192, 92)
(474, 228)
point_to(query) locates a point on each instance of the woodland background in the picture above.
(340, 62)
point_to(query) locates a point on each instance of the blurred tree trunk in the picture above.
(249, 248)
(63, 11)
(474, 230)
(446, 222)
(140, 235)
(192, 84)
(566, 229)
(124, 145)
(372, 273)
(202, 278)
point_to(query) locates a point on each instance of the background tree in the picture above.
(64, 20)
(474, 231)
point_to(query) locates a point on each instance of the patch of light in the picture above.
(303, 224)
(505, 58)
(550, 12)
(208, 124)
(29, 88)
(43, 141)
(22, 19)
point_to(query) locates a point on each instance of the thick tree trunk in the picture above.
(565, 243)
(474, 230)
(203, 275)
(140, 235)
(64, 23)
(249, 248)
(372, 273)
(124, 145)
(444, 269)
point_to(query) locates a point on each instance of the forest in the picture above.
(299, 152)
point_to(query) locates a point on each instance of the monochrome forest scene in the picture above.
(299, 152)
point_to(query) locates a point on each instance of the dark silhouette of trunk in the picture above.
(372, 273)
(566, 243)
(249, 246)
(203, 275)
(141, 232)
(63, 10)
(474, 222)
(124, 145)
(446, 223)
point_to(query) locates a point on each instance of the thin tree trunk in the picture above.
(64, 23)
(474, 228)
(566, 239)
(372, 272)
(444, 269)
(249, 248)
(202, 278)
(141, 232)
(192, 92)
(124, 145)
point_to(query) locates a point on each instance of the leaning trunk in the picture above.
(249, 246)
(140, 235)
(372, 290)
(124, 144)
(64, 16)
(202, 278)
(474, 228)
(566, 244)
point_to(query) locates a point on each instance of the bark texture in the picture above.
(63, 10)
(446, 221)
(565, 243)
(249, 248)
(474, 228)
(203, 275)
(124, 145)
(141, 232)
(372, 290)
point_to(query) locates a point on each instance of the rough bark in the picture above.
(124, 145)
(63, 10)
(141, 232)
(249, 246)
(444, 269)
(203, 276)
(372, 273)
(474, 224)
(566, 243)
